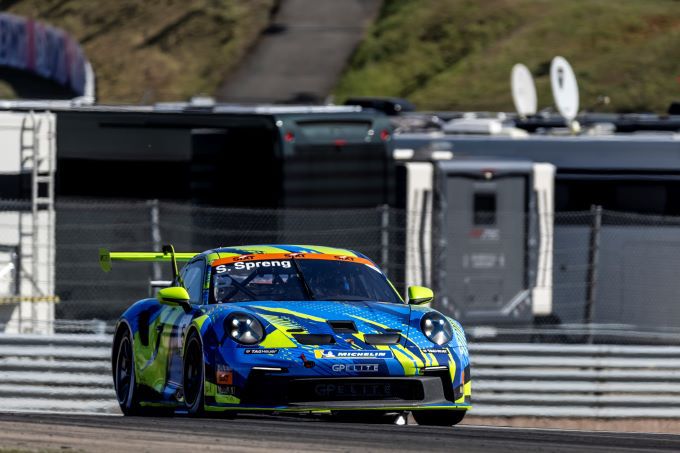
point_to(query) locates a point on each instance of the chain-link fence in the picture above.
(602, 275)
(83, 227)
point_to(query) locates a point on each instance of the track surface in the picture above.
(263, 433)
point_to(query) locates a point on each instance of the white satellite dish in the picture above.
(564, 88)
(523, 90)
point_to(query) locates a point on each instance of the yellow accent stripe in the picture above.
(452, 366)
(19, 299)
(457, 407)
(406, 362)
(328, 250)
(278, 339)
(417, 360)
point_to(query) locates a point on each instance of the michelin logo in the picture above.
(331, 354)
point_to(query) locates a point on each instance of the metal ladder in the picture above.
(40, 162)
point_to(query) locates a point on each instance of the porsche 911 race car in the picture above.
(283, 328)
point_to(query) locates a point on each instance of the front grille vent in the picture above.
(381, 338)
(314, 338)
(343, 326)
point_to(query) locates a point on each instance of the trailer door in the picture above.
(486, 233)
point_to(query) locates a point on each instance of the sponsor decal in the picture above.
(245, 258)
(331, 354)
(262, 351)
(435, 351)
(344, 258)
(226, 389)
(356, 367)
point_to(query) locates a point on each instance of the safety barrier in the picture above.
(56, 373)
(73, 373)
(557, 380)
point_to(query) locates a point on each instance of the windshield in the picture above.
(291, 279)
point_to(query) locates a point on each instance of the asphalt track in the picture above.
(26, 431)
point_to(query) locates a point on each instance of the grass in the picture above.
(457, 54)
(154, 50)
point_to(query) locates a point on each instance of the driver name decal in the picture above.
(253, 264)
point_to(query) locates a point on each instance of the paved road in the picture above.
(263, 433)
(303, 52)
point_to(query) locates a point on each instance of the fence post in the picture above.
(16, 262)
(593, 261)
(154, 211)
(384, 236)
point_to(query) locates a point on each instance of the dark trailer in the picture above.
(287, 156)
(214, 157)
(635, 179)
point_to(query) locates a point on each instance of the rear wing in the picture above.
(167, 255)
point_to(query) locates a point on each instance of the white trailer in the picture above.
(481, 231)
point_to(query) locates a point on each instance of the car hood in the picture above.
(313, 316)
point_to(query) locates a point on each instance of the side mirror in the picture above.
(418, 295)
(174, 295)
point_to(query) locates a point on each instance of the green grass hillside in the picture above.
(148, 51)
(457, 54)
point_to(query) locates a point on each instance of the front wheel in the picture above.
(439, 418)
(194, 375)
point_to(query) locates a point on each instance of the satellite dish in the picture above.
(523, 90)
(564, 88)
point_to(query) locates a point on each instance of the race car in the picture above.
(287, 328)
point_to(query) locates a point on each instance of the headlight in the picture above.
(436, 328)
(244, 329)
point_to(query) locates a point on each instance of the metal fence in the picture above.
(613, 274)
(82, 227)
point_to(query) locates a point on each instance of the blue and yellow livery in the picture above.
(287, 328)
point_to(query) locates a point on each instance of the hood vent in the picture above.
(314, 338)
(381, 338)
(343, 326)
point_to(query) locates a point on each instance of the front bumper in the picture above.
(270, 383)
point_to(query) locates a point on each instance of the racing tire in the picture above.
(194, 375)
(439, 417)
(124, 374)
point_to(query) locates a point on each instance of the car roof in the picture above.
(225, 252)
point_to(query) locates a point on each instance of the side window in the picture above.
(192, 276)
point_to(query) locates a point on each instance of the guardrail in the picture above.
(556, 380)
(56, 373)
(73, 373)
